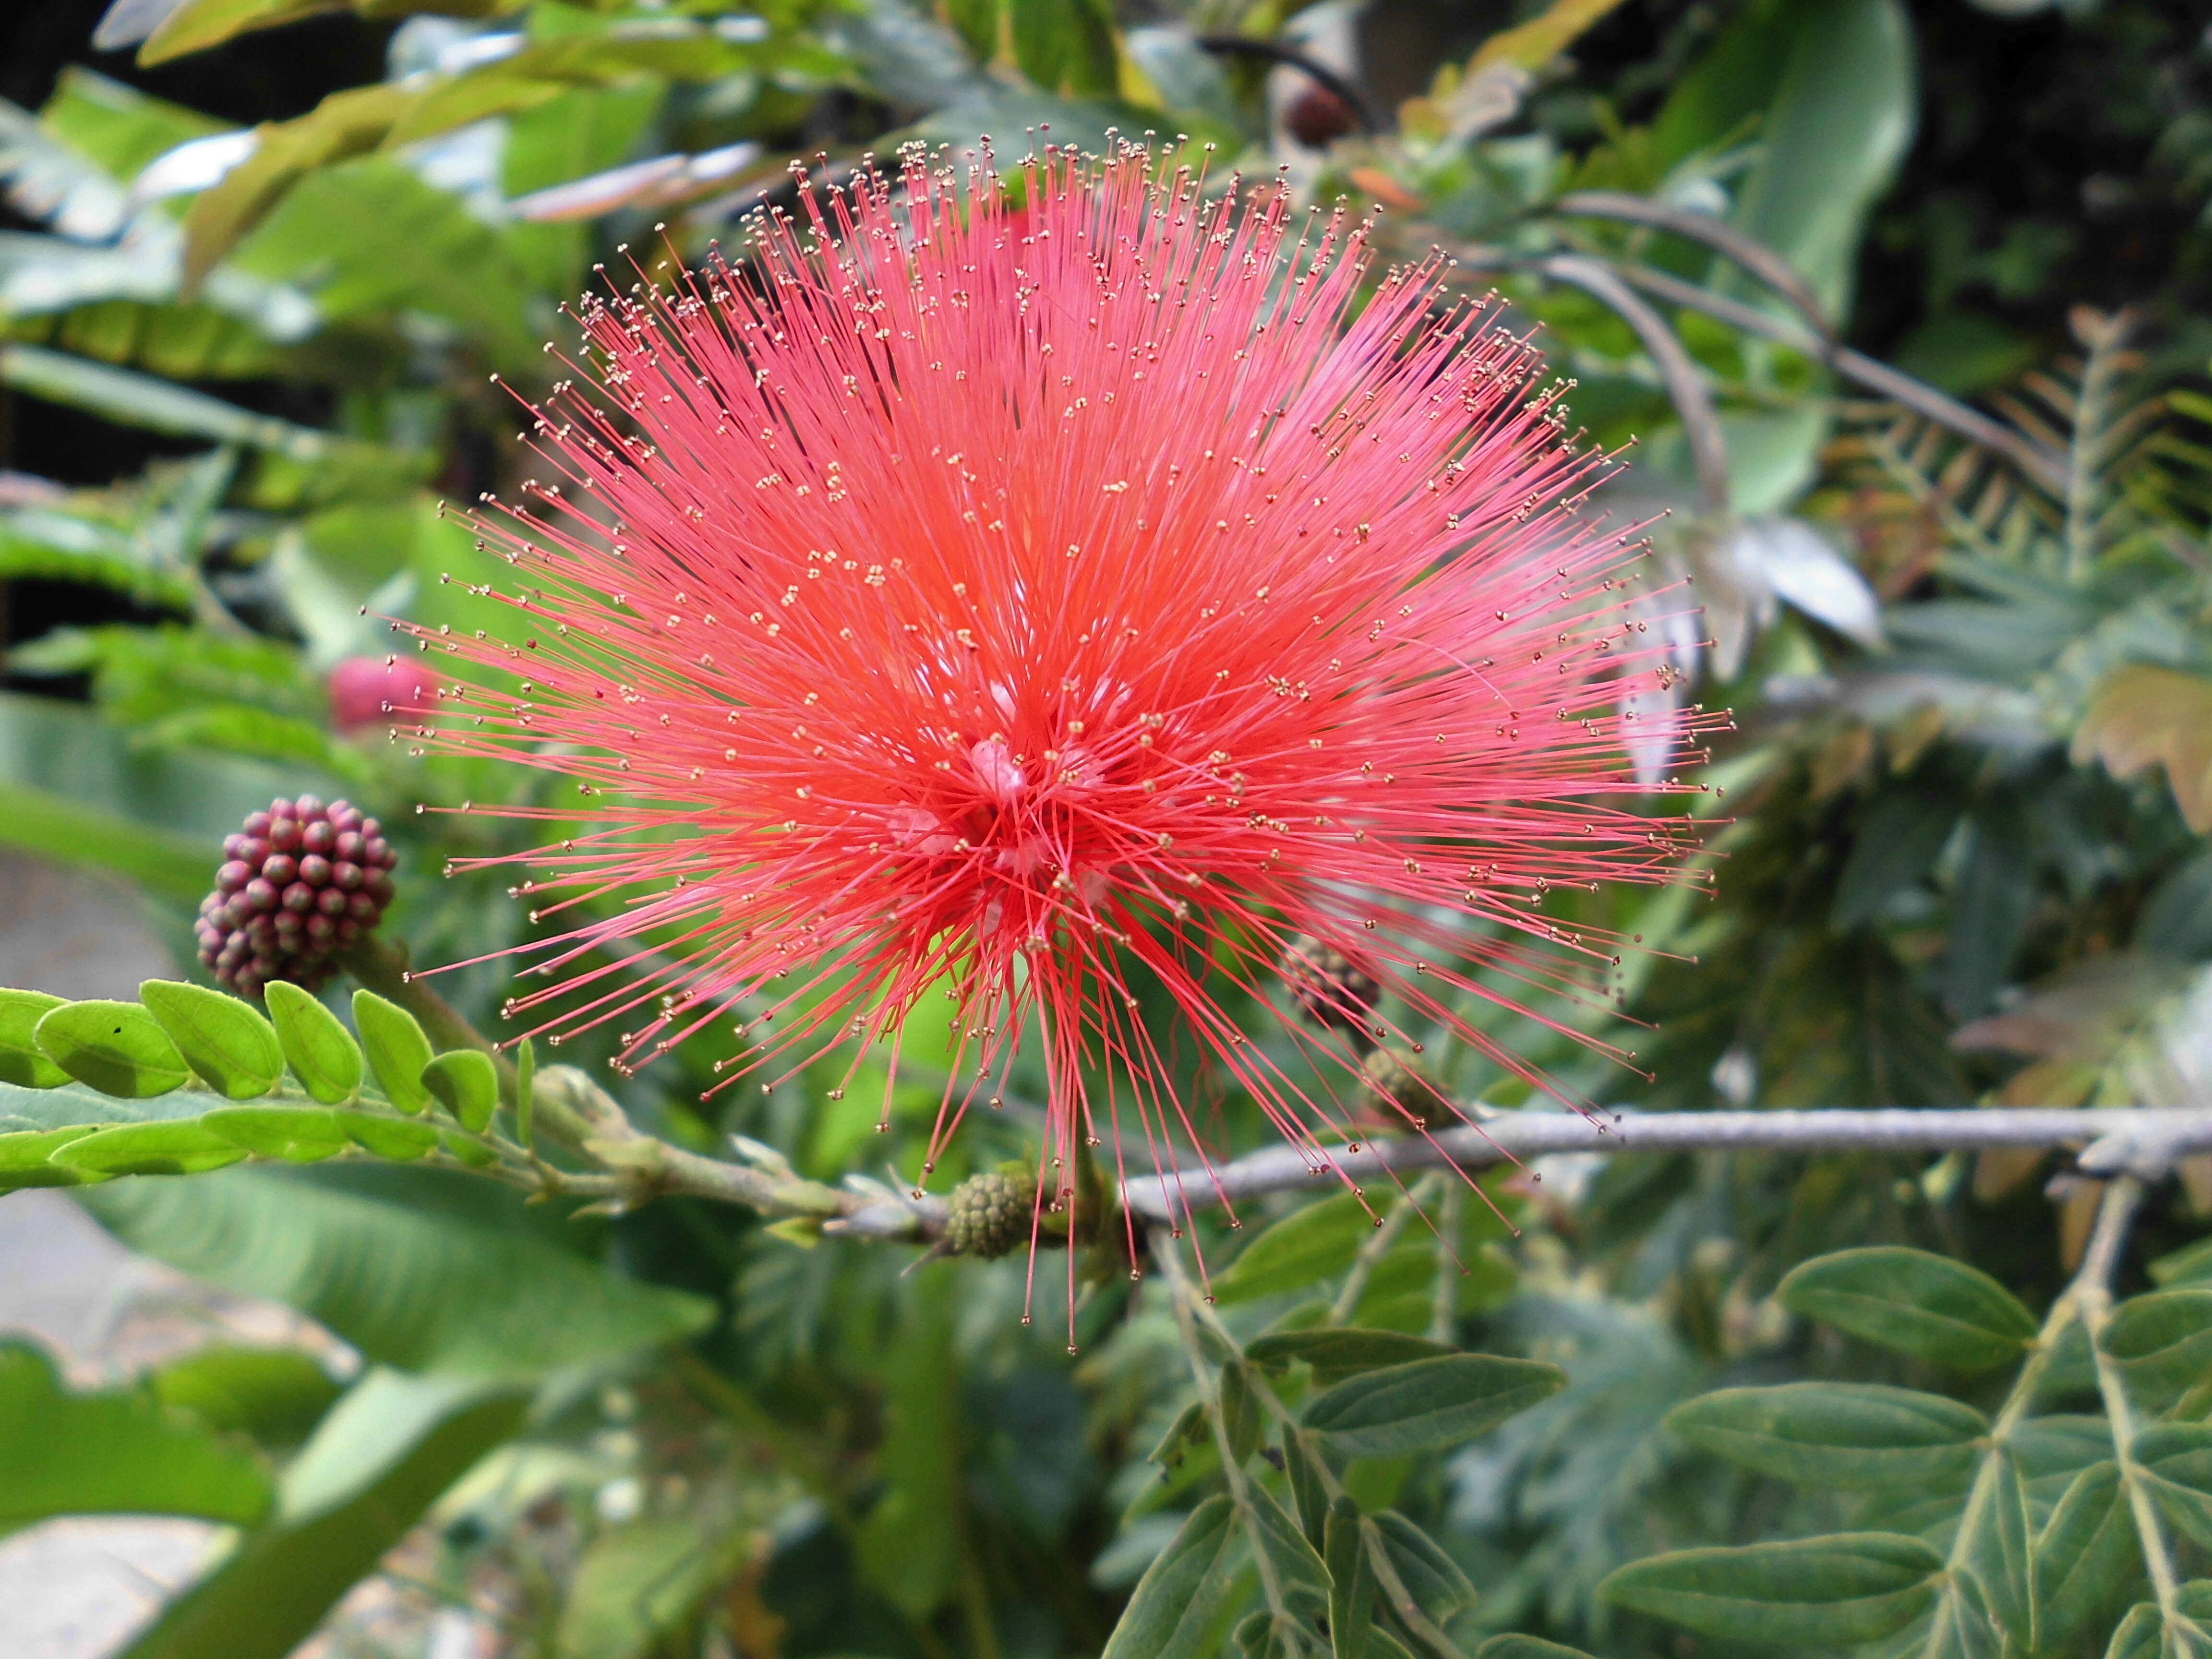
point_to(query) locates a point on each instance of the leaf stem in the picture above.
(2092, 1291)
(1186, 1305)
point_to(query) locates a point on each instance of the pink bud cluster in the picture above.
(299, 883)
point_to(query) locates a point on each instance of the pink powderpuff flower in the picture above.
(1036, 591)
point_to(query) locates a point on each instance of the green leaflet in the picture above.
(22, 1062)
(1305, 1246)
(1338, 1351)
(322, 1055)
(233, 1049)
(1428, 1404)
(465, 1083)
(2088, 1552)
(1929, 1306)
(1838, 1435)
(1830, 1592)
(116, 1047)
(1178, 1603)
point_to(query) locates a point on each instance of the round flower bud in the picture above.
(367, 693)
(990, 1215)
(1317, 118)
(301, 883)
(1401, 1089)
(1328, 986)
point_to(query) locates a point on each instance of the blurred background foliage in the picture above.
(260, 261)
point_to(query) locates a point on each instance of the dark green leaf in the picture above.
(633, 1585)
(1893, 846)
(302, 1134)
(1301, 1463)
(2185, 1265)
(1305, 1246)
(22, 1062)
(465, 1083)
(397, 1050)
(1242, 1419)
(322, 1054)
(25, 1155)
(2176, 1460)
(1429, 1404)
(378, 1462)
(1432, 1579)
(2088, 1553)
(399, 1139)
(2163, 1340)
(1177, 1602)
(2141, 1635)
(114, 1454)
(1929, 1306)
(1297, 1565)
(1189, 1429)
(232, 1048)
(1839, 1436)
(179, 1147)
(2002, 1560)
(1351, 1582)
(116, 1047)
(274, 1395)
(394, 1271)
(1525, 1647)
(1830, 1592)
(1337, 1352)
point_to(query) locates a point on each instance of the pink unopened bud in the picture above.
(369, 691)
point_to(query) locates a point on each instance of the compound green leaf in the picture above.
(1832, 1592)
(116, 1047)
(22, 1062)
(1429, 1404)
(112, 1454)
(465, 1083)
(232, 1048)
(1178, 1603)
(1837, 1435)
(1926, 1305)
(322, 1054)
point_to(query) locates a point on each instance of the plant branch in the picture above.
(2143, 1141)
